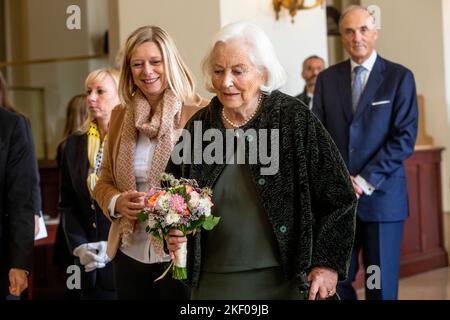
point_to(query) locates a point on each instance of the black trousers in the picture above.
(134, 280)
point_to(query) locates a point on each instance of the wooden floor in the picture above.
(431, 285)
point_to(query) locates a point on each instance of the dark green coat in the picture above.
(310, 201)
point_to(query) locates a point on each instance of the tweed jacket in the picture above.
(310, 202)
(106, 189)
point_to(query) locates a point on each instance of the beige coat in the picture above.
(105, 188)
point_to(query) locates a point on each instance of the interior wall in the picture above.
(193, 24)
(446, 40)
(293, 42)
(2, 31)
(114, 24)
(16, 37)
(38, 30)
(190, 23)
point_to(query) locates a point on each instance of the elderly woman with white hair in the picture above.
(286, 231)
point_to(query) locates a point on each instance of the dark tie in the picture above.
(357, 86)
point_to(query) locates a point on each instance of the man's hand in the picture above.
(18, 281)
(358, 190)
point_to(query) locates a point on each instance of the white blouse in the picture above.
(141, 247)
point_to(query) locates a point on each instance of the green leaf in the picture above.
(196, 224)
(210, 222)
(142, 216)
(155, 233)
(182, 228)
(182, 191)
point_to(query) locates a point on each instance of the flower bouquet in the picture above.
(179, 204)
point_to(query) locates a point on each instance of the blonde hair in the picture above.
(95, 76)
(100, 74)
(260, 51)
(178, 74)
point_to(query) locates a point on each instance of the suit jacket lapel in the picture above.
(345, 90)
(81, 168)
(373, 83)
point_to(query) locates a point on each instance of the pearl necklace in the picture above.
(234, 125)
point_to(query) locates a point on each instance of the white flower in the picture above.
(204, 207)
(163, 202)
(195, 199)
(151, 222)
(172, 217)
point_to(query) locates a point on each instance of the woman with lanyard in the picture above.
(85, 226)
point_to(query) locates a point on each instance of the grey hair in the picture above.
(261, 54)
(353, 8)
(314, 56)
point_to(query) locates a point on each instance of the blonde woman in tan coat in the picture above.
(158, 96)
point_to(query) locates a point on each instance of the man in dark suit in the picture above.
(18, 178)
(369, 106)
(312, 66)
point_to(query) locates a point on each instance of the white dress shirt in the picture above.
(366, 187)
(311, 97)
(368, 66)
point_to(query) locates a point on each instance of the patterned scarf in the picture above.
(161, 128)
(95, 153)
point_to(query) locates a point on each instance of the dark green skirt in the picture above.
(260, 284)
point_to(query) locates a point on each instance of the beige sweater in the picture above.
(106, 189)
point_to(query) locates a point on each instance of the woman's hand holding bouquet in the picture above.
(178, 208)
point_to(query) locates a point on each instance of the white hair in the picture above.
(355, 7)
(261, 53)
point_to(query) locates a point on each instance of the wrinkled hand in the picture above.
(323, 282)
(18, 281)
(130, 203)
(356, 187)
(174, 240)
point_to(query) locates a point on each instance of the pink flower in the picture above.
(189, 189)
(177, 203)
(195, 198)
(151, 192)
